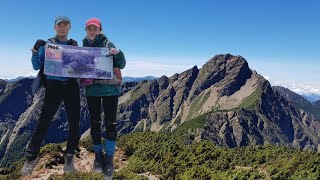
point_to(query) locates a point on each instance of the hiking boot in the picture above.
(108, 168)
(68, 163)
(28, 167)
(98, 163)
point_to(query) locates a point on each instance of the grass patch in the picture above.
(136, 94)
(193, 124)
(197, 104)
(251, 101)
(139, 126)
(69, 176)
(9, 88)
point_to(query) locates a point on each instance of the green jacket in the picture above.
(119, 61)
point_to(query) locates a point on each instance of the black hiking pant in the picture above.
(56, 92)
(110, 104)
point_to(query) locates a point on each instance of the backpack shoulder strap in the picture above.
(106, 43)
(72, 42)
(69, 42)
(53, 40)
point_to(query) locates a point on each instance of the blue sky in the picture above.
(279, 39)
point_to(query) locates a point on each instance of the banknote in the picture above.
(78, 62)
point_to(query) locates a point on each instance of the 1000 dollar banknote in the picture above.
(78, 62)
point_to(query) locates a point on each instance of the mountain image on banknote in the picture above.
(78, 62)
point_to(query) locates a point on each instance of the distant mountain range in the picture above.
(224, 102)
(125, 78)
(311, 97)
(19, 78)
(138, 79)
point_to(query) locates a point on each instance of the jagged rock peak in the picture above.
(221, 60)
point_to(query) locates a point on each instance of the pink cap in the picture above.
(93, 21)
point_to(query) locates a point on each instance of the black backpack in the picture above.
(41, 79)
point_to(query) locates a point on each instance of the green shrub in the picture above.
(87, 143)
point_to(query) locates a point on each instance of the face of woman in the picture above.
(92, 31)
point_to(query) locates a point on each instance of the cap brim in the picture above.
(61, 21)
(95, 24)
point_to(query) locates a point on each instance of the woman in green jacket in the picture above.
(103, 92)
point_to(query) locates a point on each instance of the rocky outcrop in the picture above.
(299, 101)
(272, 121)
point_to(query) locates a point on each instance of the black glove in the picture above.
(39, 43)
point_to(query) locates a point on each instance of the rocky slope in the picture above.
(238, 107)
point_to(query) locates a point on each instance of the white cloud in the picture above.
(306, 90)
(267, 78)
(299, 87)
(139, 67)
(15, 75)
